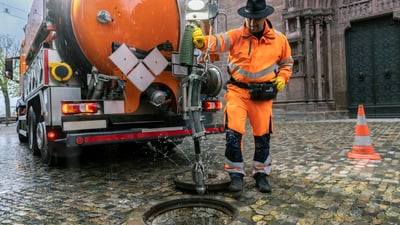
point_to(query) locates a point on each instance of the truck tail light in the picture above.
(51, 135)
(212, 105)
(76, 108)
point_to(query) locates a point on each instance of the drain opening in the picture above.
(199, 211)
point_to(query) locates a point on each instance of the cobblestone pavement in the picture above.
(312, 179)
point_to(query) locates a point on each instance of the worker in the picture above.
(260, 65)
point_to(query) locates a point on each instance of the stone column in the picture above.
(298, 26)
(317, 4)
(328, 21)
(305, 6)
(318, 57)
(308, 85)
(287, 31)
(300, 60)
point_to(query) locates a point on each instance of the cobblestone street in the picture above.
(313, 181)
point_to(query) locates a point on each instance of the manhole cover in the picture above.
(214, 180)
(199, 211)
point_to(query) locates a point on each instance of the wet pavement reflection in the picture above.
(312, 179)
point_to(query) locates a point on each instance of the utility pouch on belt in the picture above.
(262, 91)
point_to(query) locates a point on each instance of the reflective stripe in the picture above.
(264, 167)
(286, 63)
(227, 41)
(266, 170)
(234, 167)
(361, 120)
(218, 44)
(262, 73)
(283, 61)
(290, 67)
(231, 164)
(362, 140)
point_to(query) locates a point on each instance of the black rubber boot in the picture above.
(262, 183)
(236, 184)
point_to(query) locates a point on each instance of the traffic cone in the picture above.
(362, 148)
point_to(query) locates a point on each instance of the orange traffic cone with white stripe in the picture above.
(362, 148)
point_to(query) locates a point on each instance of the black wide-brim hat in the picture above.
(256, 9)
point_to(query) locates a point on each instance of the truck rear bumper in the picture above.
(137, 135)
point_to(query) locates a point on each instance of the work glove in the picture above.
(279, 81)
(198, 37)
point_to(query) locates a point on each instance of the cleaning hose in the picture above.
(194, 101)
(187, 48)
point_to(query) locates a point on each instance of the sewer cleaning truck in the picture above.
(98, 72)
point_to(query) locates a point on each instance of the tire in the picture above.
(32, 126)
(47, 155)
(46, 151)
(41, 140)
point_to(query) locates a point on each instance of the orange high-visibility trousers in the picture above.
(238, 108)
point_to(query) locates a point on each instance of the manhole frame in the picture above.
(174, 204)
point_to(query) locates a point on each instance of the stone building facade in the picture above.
(347, 52)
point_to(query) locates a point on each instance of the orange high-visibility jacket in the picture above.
(253, 60)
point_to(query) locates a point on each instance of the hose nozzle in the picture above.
(198, 177)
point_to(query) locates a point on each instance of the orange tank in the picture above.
(142, 24)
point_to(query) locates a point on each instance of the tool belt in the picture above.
(258, 91)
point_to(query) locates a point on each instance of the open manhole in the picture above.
(215, 180)
(199, 211)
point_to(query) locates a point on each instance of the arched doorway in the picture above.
(373, 67)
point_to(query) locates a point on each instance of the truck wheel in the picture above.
(41, 140)
(21, 137)
(32, 126)
(46, 151)
(47, 156)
